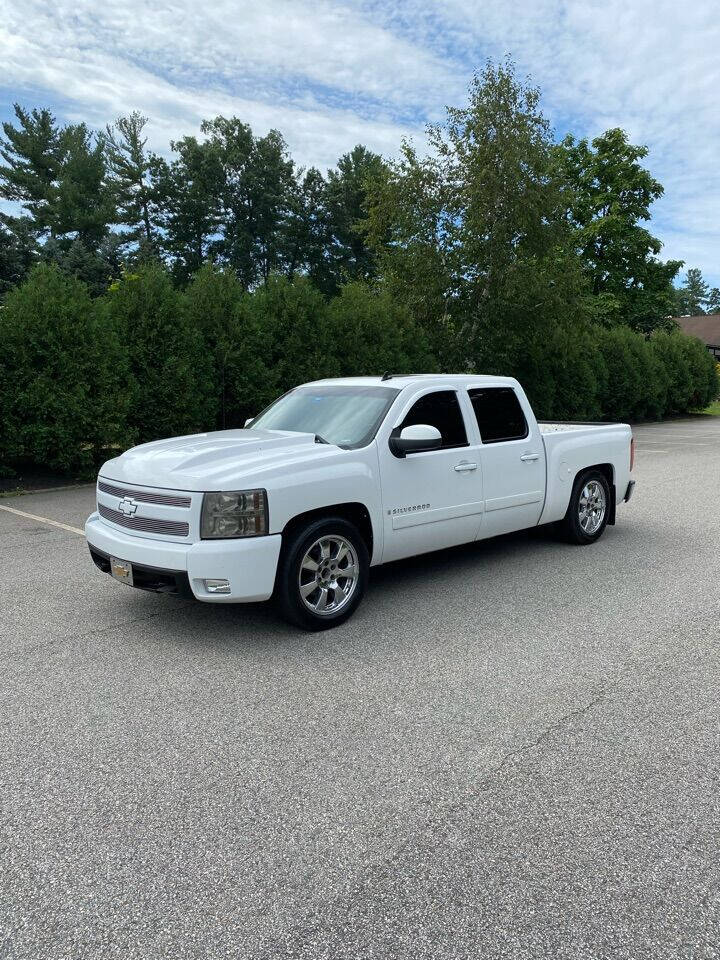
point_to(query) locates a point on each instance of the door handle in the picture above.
(465, 466)
(530, 456)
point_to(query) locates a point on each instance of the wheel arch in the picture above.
(353, 511)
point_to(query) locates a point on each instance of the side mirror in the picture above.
(415, 439)
(248, 422)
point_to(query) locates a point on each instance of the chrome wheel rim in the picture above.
(328, 575)
(592, 507)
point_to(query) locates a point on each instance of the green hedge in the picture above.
(81, 376)
(171, 385)
(599, 373)
(63, 375)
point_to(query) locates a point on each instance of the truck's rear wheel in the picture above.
(588, 510)
(322, 575)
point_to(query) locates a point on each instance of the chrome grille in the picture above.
(173, 528)
(168, 499)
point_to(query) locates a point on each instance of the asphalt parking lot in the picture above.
(512, 750)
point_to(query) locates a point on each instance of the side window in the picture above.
(499, 414)
(441, 410)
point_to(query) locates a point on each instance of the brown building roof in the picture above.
(706, 327)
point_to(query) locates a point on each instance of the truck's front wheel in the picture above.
(323, 573)
(588, 510)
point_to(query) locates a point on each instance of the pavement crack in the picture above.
(441, 813)
(599, 696)
(60, 640)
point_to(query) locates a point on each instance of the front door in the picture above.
(513, 461)
(431, 499)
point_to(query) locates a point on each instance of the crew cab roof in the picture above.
(406, 380)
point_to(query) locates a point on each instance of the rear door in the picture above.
(431, 499)
(513, 460)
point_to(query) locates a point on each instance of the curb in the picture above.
(24, 493)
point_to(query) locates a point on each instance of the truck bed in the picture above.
(569, 447)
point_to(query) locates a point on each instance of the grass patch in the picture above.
(713, 410)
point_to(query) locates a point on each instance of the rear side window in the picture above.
(499, 414)
(441, 410)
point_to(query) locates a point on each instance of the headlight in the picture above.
(241, 514)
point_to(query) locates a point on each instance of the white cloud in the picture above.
(180, 63)
(651, 67)
(329, 74)
(102, 87)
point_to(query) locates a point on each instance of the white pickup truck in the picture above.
(340, 475)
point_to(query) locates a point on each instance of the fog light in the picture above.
(217, 586)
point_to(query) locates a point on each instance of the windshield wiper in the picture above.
(319, 439)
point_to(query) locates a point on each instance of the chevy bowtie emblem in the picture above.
(127, 506)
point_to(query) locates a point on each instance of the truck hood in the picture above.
(209, 461)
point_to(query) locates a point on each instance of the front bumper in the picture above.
(149, 578)
(249, 565)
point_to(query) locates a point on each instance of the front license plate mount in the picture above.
(122, 570)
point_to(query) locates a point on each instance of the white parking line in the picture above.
(677, 436)
(678, 443)
(52, 523)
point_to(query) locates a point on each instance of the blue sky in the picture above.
(332, 74)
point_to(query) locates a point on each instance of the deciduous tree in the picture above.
(610, 199)
(474, 238)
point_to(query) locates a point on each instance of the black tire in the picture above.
(570, 527)
(288, 596)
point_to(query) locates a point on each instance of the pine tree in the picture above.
(129, 167)
(58, 175)
(694, 296)
(306, 229)
(33, 158)
(346, 199)
(82, 206)
(257, 198)
(188, 193)
(17, 253)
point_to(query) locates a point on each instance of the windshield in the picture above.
(348, 416)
